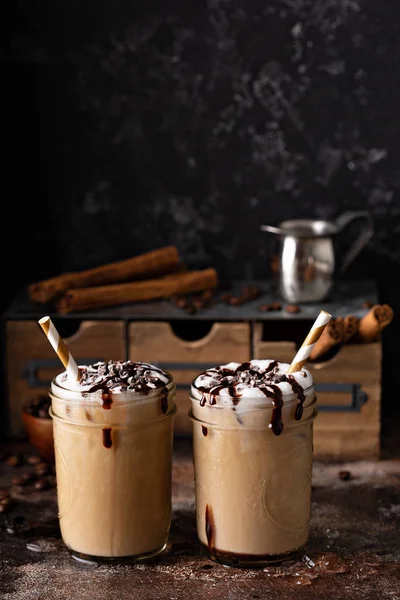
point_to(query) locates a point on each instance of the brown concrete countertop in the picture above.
(353, 550)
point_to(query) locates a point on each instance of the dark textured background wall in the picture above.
(134, 125)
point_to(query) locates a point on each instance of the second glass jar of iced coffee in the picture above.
(113, 434)
(252, 446)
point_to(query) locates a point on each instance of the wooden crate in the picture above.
(157, 343)
(348, 388)
(31, 362)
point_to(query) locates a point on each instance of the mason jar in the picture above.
(114, 469)
(252, 478)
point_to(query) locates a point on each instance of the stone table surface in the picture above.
(353, 550)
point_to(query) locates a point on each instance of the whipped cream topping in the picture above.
(118, 376)
(252, 384)
(250, 378)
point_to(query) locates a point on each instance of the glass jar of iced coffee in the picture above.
(252, 446)
(113, 434)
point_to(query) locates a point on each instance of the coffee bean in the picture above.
(42, 484)
(33, 460)
(5, 504)
(367, 304)
(4, 494)
(15, 460)
(42, 469)
(265, 307)
(198, 303)
(226, 297)
(292, 308)
(207, 295)
(22, 480)
(276, 306)
(251, 292)
(236, 300)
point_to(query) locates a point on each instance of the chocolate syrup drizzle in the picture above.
(107, 438)
(266, 380)
(119, 376)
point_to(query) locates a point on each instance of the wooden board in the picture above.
(31, 362)
(156, 342)
(348, 423)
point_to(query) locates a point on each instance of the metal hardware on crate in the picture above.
(30, 371)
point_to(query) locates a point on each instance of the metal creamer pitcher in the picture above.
(304, 262)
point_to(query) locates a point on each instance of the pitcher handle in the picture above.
(362, 240)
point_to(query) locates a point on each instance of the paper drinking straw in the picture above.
(312, 338)
(61, 349)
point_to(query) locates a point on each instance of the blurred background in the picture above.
(135, 125)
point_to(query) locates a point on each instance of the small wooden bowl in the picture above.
(40, 434)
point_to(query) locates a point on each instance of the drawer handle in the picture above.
(30, 371)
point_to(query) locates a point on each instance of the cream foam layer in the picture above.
(246, 384)
(124, 380)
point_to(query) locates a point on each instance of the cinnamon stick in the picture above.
(150, 264)
(179, 284)
(331, 336)
(351, 325)
(374, 322)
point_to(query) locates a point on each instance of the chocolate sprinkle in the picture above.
(267, 380)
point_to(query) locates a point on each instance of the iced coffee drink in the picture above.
(252, 445)
(113, 433)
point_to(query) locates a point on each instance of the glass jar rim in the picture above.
(265, 402)
(125, 398)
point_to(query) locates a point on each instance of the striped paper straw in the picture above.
(61, 349)
(312, 338)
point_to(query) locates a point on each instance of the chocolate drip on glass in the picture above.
(107, 438)
(209, 527)
(164, 401)
(275, 393)
(298, 390)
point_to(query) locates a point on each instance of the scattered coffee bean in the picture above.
(181, 303)
(236, 300)
(207, 296)
(226, 297)
(15, 460)
(198, 303)
(39, 406)
(5, 503)
(42, 484)
(345, 475)
(33, 460)
(4, 494)
(292, 308)
(22, 480)
(367, 304)
(276, 306)
(42, 469)
(251, 292)
(265, 308)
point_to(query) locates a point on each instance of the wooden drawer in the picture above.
(348, 388)
(31, 362)
(157, 343)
